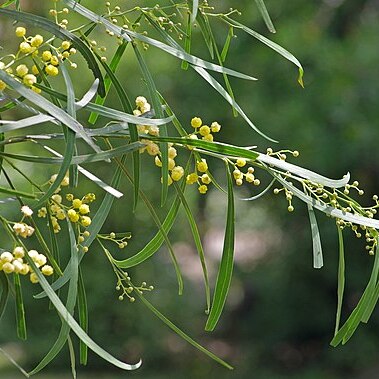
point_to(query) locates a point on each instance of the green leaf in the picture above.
(316, 240)
(159, 113)
(49, 107)
(9, 191)
(70, 305)
(279, 49)
(225, 49)
(180, 333)
(341, 279)
(75, 327)
(218, 87)
(197, 240)
(128, 34)
(224, 276)
(44, 23)
(107, 80)
(303, 172)
(327, 209)
(96, 224)
(366, 302)
(266, 17)
(79, 159)
(10, 359)
(195, 7)
(223, 149)
(20, 310)
(4, 293)
(83, 316)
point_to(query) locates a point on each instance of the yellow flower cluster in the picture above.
(175, 172)
(76, 212)
(239, 176)
(46, 60)
(21, 228)
(14, 263)
(200, 176)
(204, 131)
(142, 107)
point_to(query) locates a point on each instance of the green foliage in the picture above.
(114, 135)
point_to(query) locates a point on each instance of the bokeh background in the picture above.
(279, 318)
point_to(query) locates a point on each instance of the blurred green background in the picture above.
(279, 318)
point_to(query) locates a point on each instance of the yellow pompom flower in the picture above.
(196, 122)
(65, 45)
(203, 189)
(22, 70)
(192, 178)
(202, 166)
(76, 203)
(204, 130)
(29, 79)
(25, 47)
(177, 173)
(51, 70)
(85, 221)
(72, 215)
(37, 40)
(46, 55)
(84, 209)
(20, 31)
(241, 162)
(47, 270)
(215, 127)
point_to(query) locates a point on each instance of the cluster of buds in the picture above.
(239, 176)
(125, 286)
(204, 131)
(14, 263)
(55, 12)
(282, 154)
(200, 176)
(288, 195)
(120, 239)
(142, 107)
(21, 228)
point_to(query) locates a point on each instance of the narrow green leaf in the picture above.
(69, 308)
(279, 49)
(365, 302)
(218, 87)
(116, 59)
(341, 279)
(327, 209)
(72, 357)
(195, 7)
(316, 240)
(10, 359)
(128, 34)
(266, 17)
(4, 293)
(216, 147)
(9, 191)
(20, 310)
(49, 107)
(224, 276)
(52, 27)
(79, 159)
(96, 224)
(75, 327)
(83, 316)
(180, 333)
(225, 49)
(197, 240)
(205, 29)
(155, 243)
(163, 147)
(187, 42)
